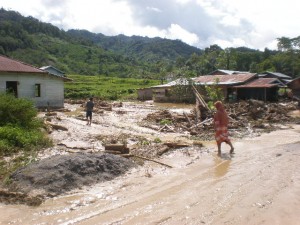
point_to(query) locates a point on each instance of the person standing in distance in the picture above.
(221, 121)
(89, 111)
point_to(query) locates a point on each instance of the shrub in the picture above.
(165, 122)
(15, 138)
(21, 135)
(214, 93)
(157, 140)
(17, 111)
(19, 126)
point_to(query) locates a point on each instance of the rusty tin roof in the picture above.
(261, 83)
(225, 79)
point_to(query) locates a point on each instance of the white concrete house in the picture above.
(26, 81)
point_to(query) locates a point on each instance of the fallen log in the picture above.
(122, 148)
(200, 98)
(206, 122)
(166, 127)
(176, 145)
(57, 127)
(51, 114)
(75, 147)
(187, 118)
(113, 152)
(148, 159)
(106, 108)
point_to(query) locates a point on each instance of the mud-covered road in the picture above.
(260, 184)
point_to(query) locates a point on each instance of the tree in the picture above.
(284, 44)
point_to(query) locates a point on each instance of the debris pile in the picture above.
(244, 114)
(259, 114)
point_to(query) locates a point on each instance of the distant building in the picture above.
(165, 92)
(264, 89)
(145, 94)
(236, 85)
(26, 81)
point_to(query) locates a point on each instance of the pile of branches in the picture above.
(253, 113)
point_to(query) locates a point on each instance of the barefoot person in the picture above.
(89, 111)
(221, 123)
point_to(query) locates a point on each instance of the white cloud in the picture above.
(177, 32)
(154, 9)
(201, 23)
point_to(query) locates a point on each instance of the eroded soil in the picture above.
(260, 184)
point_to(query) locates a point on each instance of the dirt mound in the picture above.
(61, 173)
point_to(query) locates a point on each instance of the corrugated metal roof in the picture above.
(55, 72)
(279, 75)
(10, 65)
(47, 68)
(229, 72)
(180, 81)
(261, 83)
(224, 79)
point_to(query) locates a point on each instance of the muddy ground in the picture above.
(174, 146)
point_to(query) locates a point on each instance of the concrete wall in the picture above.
(52, 88)
(145, 94)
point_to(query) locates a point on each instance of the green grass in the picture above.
(106, 88)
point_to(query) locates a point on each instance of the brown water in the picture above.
(260, 184)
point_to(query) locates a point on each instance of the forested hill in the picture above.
(144, 48)
(85, 53)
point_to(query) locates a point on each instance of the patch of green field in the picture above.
(106, 88)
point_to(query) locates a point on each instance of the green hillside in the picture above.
(143, 48)
(84, 53)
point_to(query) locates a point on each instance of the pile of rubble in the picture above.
(259, 114)
(244, 115)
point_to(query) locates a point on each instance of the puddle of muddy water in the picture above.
(221, 166)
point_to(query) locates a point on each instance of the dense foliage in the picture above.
(85, 53)
(20, 132)
(19, 125)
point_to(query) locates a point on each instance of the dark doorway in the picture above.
(12, 87)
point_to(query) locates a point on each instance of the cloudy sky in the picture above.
(201, 23)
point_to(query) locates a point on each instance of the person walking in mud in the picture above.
(89, 111)
(221, 121)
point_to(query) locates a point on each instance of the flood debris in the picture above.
(70, 165)
(116, 148)
(244, 116)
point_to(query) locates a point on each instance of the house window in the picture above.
(37, 90)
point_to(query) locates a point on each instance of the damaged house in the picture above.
(243, 86)
(25, 81)
(239, 86)
(167, 92)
